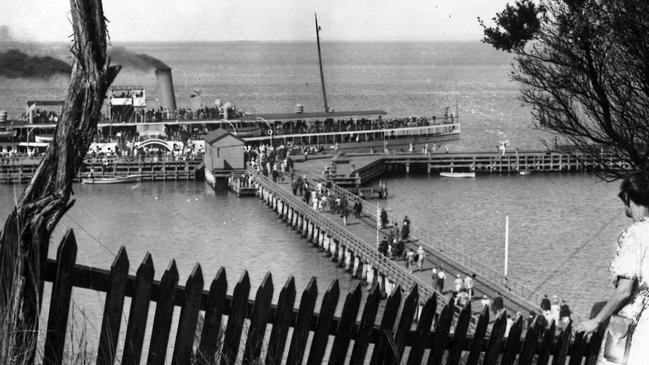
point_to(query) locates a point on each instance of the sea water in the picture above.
(563, 227)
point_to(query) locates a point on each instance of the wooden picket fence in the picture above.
(297, 334)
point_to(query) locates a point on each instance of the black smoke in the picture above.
(140, 61)
(15, 64)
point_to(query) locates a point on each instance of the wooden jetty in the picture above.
(356, 337)
(362, 169)
(517, 296)
(355, 246)
(149, 169)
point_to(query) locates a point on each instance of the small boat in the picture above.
(457, 174)
(525, 172)
(111, 180)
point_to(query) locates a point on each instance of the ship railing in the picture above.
(450, 254)
(362, 249)
(387, 132)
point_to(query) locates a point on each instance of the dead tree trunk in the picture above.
(27, 230)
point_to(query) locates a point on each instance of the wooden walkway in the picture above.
(360, 236)
(364, 168)
(517, 296)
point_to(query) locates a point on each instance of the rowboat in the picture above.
(111, 180)
(457, 174)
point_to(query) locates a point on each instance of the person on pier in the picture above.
(384, 218)
(434, 277)
(420, 258)
(405, 228)
(459, 283)
(468, 285)
(383, 246)
(441, 277)
(630, 273)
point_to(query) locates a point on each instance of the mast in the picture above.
(324, 92)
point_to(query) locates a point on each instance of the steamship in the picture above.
(127, 120)
(127, 123)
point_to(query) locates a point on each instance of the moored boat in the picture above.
(457, 174)
(111, 180)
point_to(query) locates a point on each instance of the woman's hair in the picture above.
(635, 187)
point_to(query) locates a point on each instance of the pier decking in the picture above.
(149, 169)
(352, 171)
(354, 247)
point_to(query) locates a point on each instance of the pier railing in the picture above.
(366, 251)
(451, 254)
(258, 330)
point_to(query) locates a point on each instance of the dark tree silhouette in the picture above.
(584, 70)
(26, 233)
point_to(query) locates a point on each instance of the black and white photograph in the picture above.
(324, 182)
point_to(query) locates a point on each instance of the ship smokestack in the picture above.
(166, 84)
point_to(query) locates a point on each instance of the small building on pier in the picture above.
(223, 156)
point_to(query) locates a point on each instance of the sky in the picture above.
(258, 20)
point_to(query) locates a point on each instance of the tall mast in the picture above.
(324, 92)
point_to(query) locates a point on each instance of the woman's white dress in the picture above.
(631, 261)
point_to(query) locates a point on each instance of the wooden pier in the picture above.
(353, 246)
(150, 169)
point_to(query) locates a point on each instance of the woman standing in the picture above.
(630, 270)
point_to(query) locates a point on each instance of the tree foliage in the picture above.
(584, 70)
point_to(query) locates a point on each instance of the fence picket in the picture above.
(113, 309)
(361, 343)
(387, 322)
(346, 327)
(407, 316)
(57, 321)
(138, 313)
(258, 320)
(322, 329)
(303, 323)
(578, 349)
(513, 342)
(423, 329)
(440, 338)
(478, 337)
(164, 311)
(238, 312)
(188, 316)
(561, 351)
(459, 337)
(531, 342)
(283, 320)
(496, 340)
(593, 347)
(546, 345)
(215, 308)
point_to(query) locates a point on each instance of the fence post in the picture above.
(387, 322)
(321, 333)
(113, 309)
(365, 328)
(238, 311)
(214, 310)
(137, 315)
(188, 316)
(303, 324)
(423, 327)
(282, 322)
(57, 321)
(164, 311)
(345, 330)
(258, 320)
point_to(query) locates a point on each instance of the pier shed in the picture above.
(223, 156)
